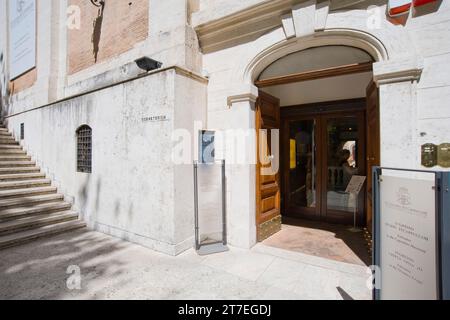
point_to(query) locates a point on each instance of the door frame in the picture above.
(373, 150)
(326, 110)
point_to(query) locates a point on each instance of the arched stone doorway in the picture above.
(395, 74)
(318, 99)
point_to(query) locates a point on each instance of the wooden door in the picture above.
(373, 143)
(268, 218)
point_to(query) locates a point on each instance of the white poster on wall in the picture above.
(22, 40)
(407, 239)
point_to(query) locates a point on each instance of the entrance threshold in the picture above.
(323, 240)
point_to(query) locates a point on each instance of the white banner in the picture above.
(408, 239)
(22, 40)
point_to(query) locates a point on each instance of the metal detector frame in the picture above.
(220, 246)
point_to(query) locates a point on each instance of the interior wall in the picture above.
(321, 90)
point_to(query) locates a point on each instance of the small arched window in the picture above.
(84, 149)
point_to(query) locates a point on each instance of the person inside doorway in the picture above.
(348, 166)
(351, 147)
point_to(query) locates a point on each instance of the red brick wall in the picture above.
(124, 23)
(23, 82)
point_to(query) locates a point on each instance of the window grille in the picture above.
(84, 149)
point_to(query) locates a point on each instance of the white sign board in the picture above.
(22, 40)
(407, 239)
(355, 185)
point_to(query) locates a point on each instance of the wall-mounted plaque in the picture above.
(206, 146)
(407, 238)
(429, 155)
(443, 155)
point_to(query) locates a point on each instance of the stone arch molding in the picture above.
(345, 37)
(395, 61)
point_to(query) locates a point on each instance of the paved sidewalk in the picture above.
(115, 269)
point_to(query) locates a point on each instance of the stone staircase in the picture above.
(30, 207)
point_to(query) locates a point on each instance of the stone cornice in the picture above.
(206, 19)
(190, 74)
(215, 31)
(245, 97)
(244, 93)
(256, 19)
(400, 70)
(177, 69)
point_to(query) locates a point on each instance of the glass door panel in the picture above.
(343, 161)
(322, 152)
(302, 175)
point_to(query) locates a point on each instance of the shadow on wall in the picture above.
(97, 32)
(83, 195)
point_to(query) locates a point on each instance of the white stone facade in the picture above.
(134, 192)
(409, 70)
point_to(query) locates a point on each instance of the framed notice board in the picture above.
(411, 233)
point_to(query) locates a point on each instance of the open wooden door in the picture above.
(268, 218)
(373, 143)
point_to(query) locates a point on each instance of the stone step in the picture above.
(7, 138)
(33, 210)
(30, 207)
(12, 152)
(8, 142)
(33, 222)
(6, 135)
(24, 184)
(11, 164)
(33, 234)
(10, 146)
(21, 176)
(18, 170)
(27, 192)
(29, 201)
(15, 157)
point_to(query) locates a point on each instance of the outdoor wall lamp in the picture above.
(98, 3)
(148, 64)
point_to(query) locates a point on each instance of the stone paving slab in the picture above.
(115, 269)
